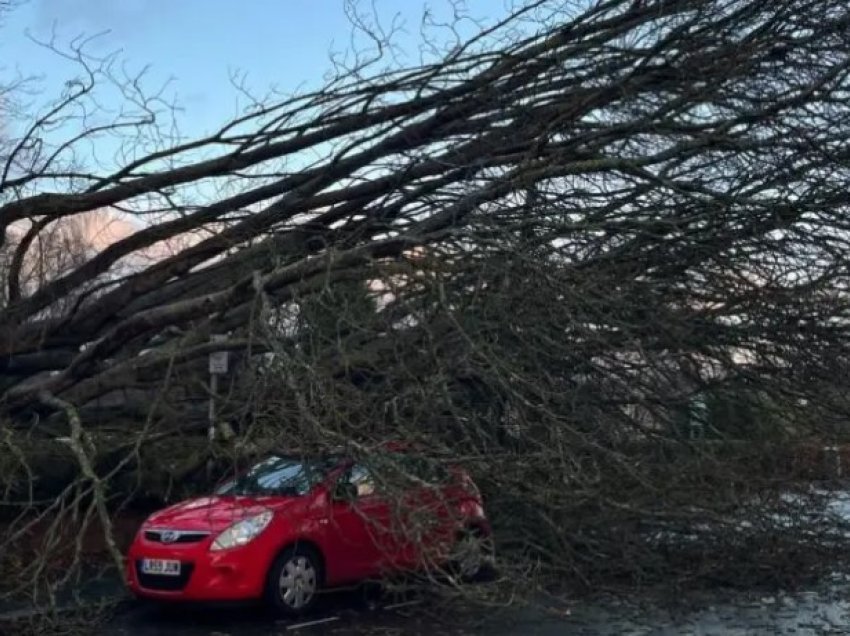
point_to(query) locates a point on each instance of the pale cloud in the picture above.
(68, 242)
(102, 228)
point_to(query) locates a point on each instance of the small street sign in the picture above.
(218, 359)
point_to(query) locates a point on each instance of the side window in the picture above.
(360, 477)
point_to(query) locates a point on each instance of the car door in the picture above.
(424, 531)
(359, 541)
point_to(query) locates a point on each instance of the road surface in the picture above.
(811, 613)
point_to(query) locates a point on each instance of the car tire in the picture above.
(294, 580)
(473, 558)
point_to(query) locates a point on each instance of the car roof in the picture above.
(393, 446)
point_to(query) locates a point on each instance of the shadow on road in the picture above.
(358, 611)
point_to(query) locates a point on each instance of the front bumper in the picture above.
(229, 575)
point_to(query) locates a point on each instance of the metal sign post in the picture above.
(213, 392)
(218, 366)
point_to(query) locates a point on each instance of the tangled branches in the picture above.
(577, 233)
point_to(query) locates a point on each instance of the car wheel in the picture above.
(473, 556)
(294, 580)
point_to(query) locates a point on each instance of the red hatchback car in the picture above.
(292, 526)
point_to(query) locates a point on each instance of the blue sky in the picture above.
(198, 43)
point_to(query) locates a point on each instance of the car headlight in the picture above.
(242, 532)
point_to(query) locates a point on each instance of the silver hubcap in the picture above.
(297, 582)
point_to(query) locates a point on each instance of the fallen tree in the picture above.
(565, 235)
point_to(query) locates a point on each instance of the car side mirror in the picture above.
(345, 491)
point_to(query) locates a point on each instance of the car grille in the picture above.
(162, 582)
(182, 536)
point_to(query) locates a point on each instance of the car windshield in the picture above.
(279, 476)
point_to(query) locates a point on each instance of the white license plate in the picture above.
(165, 567)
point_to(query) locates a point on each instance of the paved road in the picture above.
(343, 613)
(813, 613)
(347, 613)
(804, 614)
